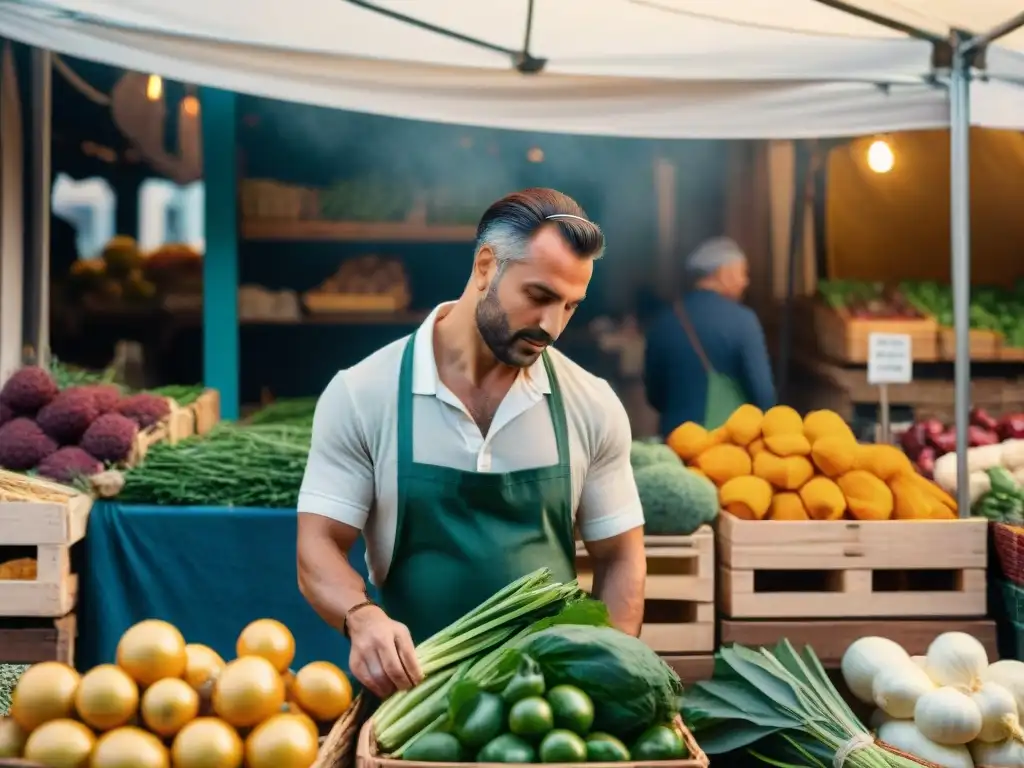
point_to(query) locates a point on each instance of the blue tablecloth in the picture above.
(207, 570)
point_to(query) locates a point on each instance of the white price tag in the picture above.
(890, 358)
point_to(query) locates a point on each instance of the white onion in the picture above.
(897, 689)
(1005, 754)
(864, 659)
(907, 738)
(956, 658)
(947, 716)
(998, 713)
(1009, 674)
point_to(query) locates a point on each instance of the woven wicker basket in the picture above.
(339, 748)
(1010, 549)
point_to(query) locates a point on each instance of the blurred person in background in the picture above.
(706, 353)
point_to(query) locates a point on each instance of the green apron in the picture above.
(724, 394)
(462, 536)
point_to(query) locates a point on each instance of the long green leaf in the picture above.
(750, 666)
(730, 736)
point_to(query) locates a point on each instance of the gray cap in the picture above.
(710, 256)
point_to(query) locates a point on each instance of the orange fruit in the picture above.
(207, 743)
(167, 705)
(152, 650)
(270, 639)
(322, 691)
(12, 738)
(129, 748)
(45, 692)
(248, 691)
(60, 744)
(106, 698)
(202, 665)
(283, 741)
(293, 709)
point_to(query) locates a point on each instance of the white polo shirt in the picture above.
(351, 473)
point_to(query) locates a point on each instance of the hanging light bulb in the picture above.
(535, 155)
(880, 156)
(190, 106)
(154, 88)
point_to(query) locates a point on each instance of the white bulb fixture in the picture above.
(880, 156)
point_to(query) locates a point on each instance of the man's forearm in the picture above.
(330, 585)
(619, 583)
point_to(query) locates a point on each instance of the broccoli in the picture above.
(647, 454)
(676, 501)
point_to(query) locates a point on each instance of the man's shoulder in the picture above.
(374, 374)
(584, 393)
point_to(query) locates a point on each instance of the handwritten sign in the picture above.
(890, 358)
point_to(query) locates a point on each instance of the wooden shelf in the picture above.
(356, 231)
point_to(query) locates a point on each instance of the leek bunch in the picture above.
(470, 649)
(780, 693)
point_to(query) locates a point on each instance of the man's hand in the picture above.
(383, 656)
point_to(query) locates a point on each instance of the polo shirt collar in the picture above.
(424, 367)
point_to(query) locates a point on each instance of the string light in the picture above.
(880, 156)
(154, 88)
(190, 105)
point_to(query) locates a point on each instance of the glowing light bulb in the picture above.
(880, 157)
(535, 155)
(190, 104)
(154, 87)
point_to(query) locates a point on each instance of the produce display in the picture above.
(950, 707)
(992, 309)
(165, 702)
(294, 411)
(867, 300)
(67, 434)
(234, 465)
(676, 500)
(124, 273)
(535, 674)
(365, 276)
(778, 466)
(928, 440)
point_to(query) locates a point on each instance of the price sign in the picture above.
(890, 358)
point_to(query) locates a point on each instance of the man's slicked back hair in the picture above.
(509, 224)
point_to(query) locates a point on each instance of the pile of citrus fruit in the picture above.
(169, 704)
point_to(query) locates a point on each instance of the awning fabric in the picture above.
(644, 68)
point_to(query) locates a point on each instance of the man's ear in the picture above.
(484, 266)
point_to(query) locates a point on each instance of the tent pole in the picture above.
(998, 31)
(883, 21)
(37, 334)
(960, 272)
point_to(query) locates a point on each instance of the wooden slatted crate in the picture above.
(30, 641)
(845, 339)
(206, 411)
(830, 639)
(848, 569)
(49, 526)
(679, 610)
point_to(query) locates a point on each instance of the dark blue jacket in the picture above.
(733, 340)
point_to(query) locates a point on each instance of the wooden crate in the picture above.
(205, 411)
(367, 755)
(178, 425)
(692, 668)
(845, 339)
(51, 528)
(985, 345)
(849, 569)
(26, 641)
(830, 639)
(679, 610)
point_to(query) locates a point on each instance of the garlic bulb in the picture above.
(956, 658)
(905, 736)
(1010, 675)
(896, 689)
(1005, 754)
(998, 713)
(947, 716)
(864, 659)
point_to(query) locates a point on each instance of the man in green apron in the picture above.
(469, 453)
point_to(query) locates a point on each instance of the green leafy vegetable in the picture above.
(634, 685)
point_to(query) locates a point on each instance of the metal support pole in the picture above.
(37, 334)
(960, 271)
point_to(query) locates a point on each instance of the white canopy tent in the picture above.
(644, 68)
